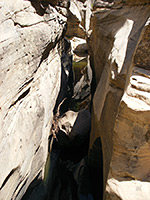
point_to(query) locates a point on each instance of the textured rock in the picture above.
(75, 126)
(82, 87)
(142, 58)
(130, 160)
(30, 64)
(78, 18)
(113, 42)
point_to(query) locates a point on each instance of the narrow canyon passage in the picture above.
(74, 99)
(68, 174)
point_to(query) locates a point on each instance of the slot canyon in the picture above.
(75, 100)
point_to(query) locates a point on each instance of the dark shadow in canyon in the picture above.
(96, 169)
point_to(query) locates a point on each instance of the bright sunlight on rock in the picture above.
(74, 100)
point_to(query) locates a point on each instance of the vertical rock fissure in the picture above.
(68, 161)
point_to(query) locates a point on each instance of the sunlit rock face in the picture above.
(130, 162)
(78, 18)
(30, 65)
(121, 99)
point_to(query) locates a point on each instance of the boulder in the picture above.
(75, 127)
(30, 64)
(69, 147)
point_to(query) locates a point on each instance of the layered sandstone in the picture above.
(121, 101)
(30, 64)
(130, 161)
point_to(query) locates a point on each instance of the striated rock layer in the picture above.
(121, 109)
(30, 65)
(130, 161)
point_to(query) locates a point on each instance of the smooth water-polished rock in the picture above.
(120, 106)
(130, 161)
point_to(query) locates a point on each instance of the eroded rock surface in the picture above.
(142, 58)
(30, 64)
(120, 107)
(129, 169)
(78, 18)
(130, 161)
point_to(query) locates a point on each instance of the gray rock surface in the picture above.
(30, 64)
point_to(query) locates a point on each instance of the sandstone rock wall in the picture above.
(130, 161)
(30, 65)
(78, 18)
(120, 104)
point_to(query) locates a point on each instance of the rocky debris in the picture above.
(112, 45)
(30, 64)
(81, 67)
(74, 127)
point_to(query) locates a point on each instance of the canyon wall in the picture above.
(121, 109)
(31, 46)
(30, 64)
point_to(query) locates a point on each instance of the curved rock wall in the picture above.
(30, 64)
(120, 104)
(129, 169)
